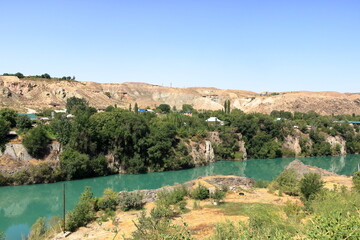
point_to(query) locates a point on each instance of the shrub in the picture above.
(218, 195)
(21, 177)
(335, 226)
(109, 200)
(83, 213)
(288, 181)
(130, 200)
(356, 181)
(38, 230)
(154, 228)
(310, 185)
(171, 197)
(23, 122)
(36, 142)
(200, 193)
(261, 184)
(42, 173)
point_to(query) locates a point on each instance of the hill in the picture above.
(38, 94)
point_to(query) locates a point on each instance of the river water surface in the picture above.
(20, 206)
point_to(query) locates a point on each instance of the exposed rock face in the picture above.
(292, 143)
(303, 169)
(21, 94)
(202, 153)
(337, 140)
(17, 156)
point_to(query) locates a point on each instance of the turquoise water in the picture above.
(20, 206)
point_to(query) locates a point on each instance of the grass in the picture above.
(248, 209)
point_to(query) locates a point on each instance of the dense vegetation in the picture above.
(119, 140)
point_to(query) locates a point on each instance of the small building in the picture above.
(215, 120)
(70, 116)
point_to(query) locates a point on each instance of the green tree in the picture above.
(187, 107)
(74, 165)
(9, 115)
(83, 213)
(136, 108)
(4, 129)
(19, 75)
(74, 105)
(310, 185)
(164, 108)
(36, 142)
(23, 122)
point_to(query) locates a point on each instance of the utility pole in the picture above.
(64, 208)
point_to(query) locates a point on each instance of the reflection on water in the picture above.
(20, 206)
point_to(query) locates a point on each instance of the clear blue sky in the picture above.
(252, 45)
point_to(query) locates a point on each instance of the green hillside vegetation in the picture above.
(141, 142)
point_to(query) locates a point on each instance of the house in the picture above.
(215, 120)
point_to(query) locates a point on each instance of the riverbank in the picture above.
(18, 216)
(202, 220)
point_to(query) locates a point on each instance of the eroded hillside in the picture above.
(38, 94)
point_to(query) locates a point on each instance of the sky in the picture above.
(268, 45)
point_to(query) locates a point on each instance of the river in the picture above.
(20, 206)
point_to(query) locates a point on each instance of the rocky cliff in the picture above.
(38, 94)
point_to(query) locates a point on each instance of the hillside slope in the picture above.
(38, 94)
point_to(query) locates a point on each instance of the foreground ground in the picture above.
(201, 221)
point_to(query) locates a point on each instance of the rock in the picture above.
(303, 169)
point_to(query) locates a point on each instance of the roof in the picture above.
(213, 119)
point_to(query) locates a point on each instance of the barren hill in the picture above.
(38, 94)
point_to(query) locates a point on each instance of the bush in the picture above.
(200, 193)
(38, 230)
(109, 200)
(335, 226)
(170, 197)
(154, 228)
(23, 122)
(36, 142)
(218, 195)
(356, 181)
(83, 213)
(261, 184)
(130, 200)
(21, 177)
(42, 173)
(310, 185)
(287, 182)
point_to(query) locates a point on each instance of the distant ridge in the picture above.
(38, 94)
